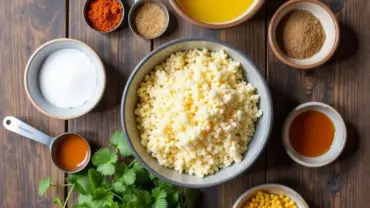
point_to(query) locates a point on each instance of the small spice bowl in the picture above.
(132, 13)
(337, 146)
(329, 23)
(86, 13)
(273, 189)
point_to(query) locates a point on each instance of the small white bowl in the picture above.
(328, 21)
(274, 189)
(31, 79)
(336, 148)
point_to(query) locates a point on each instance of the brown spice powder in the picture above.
(302, 34)
(149, 20)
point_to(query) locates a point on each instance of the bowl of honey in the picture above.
(314, 134)
(216, 14)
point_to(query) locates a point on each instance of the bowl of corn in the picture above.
(270, 196)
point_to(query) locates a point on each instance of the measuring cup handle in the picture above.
(19, 127)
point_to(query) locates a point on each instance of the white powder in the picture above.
(68, 78)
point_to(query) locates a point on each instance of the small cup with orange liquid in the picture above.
(314, 134)
(70, 152)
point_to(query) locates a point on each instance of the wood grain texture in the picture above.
(25, 25)
(343, 84)
(120, 51)
(250, 38)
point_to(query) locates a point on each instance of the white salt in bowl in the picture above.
(330, 25)
(31, 79)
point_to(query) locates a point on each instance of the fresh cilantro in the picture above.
(114, 184)
(44, 185)
(118, 141)
(129, 177)
(80, 182)
(95, 179)
(105, 160)
(57, 201)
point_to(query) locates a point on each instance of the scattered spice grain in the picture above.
(149, 20)
(105, 15)
(302, 35)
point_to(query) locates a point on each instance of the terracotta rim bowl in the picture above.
(251, 11)
(328, 21)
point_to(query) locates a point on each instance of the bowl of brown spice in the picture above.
(104, 15)
(304, 34)
(148, 19)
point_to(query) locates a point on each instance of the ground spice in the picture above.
(302, 34)
(149, 20)
(105, 15)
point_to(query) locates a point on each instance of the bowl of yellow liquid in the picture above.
(216, 14)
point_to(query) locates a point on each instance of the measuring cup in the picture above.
(19, 127)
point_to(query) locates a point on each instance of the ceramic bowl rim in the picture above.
(84, 10)
(274, 45)
(34, 54)
(268, 185)
(226, 25)
(135, 7)
(174, 42)
(289, 149)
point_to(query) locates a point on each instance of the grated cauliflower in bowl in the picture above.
(196, 112)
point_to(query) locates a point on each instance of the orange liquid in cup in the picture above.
(312, 133)
(71, 152)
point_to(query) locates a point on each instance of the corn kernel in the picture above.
(269, 200)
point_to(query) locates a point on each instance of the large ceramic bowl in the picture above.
(130, 100)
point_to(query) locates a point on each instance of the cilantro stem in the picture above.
(69, 194)
(131, 163)
(116, 195)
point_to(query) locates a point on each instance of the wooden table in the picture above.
(343, 83)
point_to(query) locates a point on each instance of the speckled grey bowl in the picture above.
(31, 79)
(130, 99)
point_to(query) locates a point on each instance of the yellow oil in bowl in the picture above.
(214, 11)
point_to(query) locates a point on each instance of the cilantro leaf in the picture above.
(144, 197)
(84, 205)
(102, 198)
(173, 198)
(80, 182)
(85, 199)
(44, 185)
(159, 193)
(119, 186)
(160, 203)
(105, 161)
(57, 201)
(151, 176)
(129, 177)
(118, 140)
(95, 179)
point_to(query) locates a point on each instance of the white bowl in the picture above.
(130, 99)
(329, 22)
(31, 79)
(274, 189)
(336, 147)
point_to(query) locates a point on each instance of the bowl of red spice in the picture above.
(104, 15)
(304, 34)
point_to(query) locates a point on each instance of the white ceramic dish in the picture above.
(274, 189)
(340, 136)
(31, 79)
(328, 21)
(130, 99)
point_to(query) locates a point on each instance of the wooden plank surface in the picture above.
(342, 83)
(25, 25)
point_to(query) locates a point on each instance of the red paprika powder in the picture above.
(105, 15)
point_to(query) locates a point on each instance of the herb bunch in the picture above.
(114, 184)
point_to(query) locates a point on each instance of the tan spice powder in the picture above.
(149, 20)
(301, 34)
